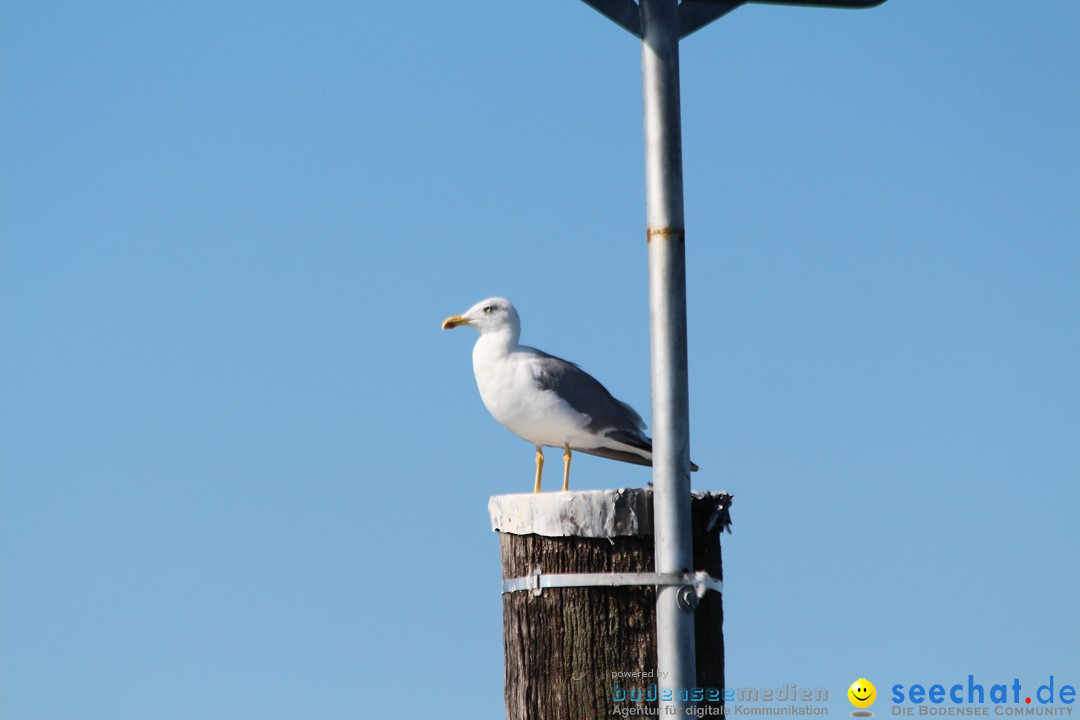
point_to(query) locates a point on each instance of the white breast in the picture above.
(507, 384)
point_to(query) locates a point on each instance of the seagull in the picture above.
(544, 399)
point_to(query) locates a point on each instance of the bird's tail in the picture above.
(640, 452)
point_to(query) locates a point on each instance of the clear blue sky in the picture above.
(244, 475)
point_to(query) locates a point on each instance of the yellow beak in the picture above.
(453, 321)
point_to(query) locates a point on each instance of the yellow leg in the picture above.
(539, 467)
(566, 468)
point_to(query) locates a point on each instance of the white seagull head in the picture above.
(488, 316)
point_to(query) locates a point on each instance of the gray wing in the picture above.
(608, 416)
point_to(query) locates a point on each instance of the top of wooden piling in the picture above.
(588, 513)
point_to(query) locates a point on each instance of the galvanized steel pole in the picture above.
(667, 322)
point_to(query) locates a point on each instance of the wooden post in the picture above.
(590, 652)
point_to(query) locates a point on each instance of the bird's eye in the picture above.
(489, 310)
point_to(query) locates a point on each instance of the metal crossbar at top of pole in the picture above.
(696, 14)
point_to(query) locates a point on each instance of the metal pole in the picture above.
(667, 320)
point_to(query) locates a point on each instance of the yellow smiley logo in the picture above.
(862, 693)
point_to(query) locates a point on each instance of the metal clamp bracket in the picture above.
(701, 582)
